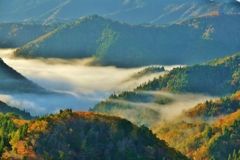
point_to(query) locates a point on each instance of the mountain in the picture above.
(212, 133)
(13, 82)
(113, 43)
(4, 108)
(84, 135)
(14, 35)
(128, 11)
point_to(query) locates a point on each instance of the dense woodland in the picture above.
(80, 135)
(205, 132)
(123, 45)
(217, 77)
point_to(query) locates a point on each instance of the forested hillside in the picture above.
(14, 35)
(13, 82)
(203, 132)
(114, 43)
(129, 11)
(218, 77)
(217, 108)
(81, 135)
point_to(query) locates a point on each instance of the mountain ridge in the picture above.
(123, 45)
(130, 11)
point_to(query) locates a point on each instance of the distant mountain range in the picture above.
(128, 11)
(113, 43)
(13, 82)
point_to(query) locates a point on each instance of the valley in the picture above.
(122, 79)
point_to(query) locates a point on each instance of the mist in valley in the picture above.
(169, 111)
(81, 87)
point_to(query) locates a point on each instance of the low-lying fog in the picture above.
(85, 85)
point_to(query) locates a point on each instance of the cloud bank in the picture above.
(85, 85)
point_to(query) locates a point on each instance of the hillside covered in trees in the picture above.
(80, 135)
(218, 77)
(128, 11)
(210, 130)
(122, 45)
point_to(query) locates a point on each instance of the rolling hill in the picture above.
(113, 43)
(128, 11)
(81, 135)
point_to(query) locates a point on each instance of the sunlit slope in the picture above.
(14, 35)
(203, 131)
(217, 108)
(85, 135)
(129, 11)
(114, 43)
(13, 82)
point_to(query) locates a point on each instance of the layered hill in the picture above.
(114, 43)
(218, 77)
(14, 35)
(85, 135)
(209, 130)
(14, 82)
(129, 11)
